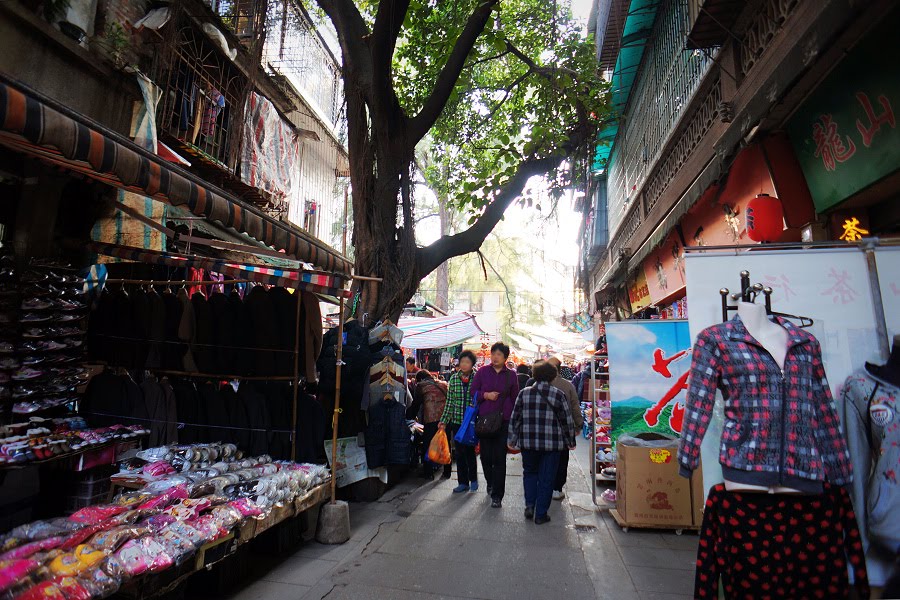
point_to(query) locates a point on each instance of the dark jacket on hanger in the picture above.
(217, 405)
(161, 411)
(387, 435)
(279, 400)
(187, 330)
(285, 304)
(100, 328)
(312, 334)
(263, 331)
(223, 332)
(140, 328)
(173, 350)
(111, 399)
(188, 409)
(242, 336)
(204, 351)
(257, 418)
(156, 330)
(310, 430)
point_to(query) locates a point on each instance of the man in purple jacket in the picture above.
(497, 387)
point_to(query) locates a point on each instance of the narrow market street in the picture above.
(421, 542)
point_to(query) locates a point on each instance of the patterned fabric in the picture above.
(301, 280)
(541, 420)
(778, 426)
(433, 395)
(779, 546)
(28, 125)
(211, 112)
(457, 399)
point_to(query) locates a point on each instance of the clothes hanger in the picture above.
(804, 321)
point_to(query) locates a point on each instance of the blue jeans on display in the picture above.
(539, 468)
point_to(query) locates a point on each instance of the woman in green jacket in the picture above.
(457, 400)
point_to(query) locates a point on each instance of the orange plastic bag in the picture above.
(439, 449)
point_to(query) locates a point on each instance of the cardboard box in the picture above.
(649, 490)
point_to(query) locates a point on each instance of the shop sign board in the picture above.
(846, 135)
(638, 292)
(664, 269)
(649, 366)
(350, 462)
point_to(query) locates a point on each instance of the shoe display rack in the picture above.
(42, 314)
(603, 464)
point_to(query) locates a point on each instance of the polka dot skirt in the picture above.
(779, 546)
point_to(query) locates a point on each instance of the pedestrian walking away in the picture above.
(496, 387)
(572, 397)
(431, 396)
(458, 398)
(541, 426)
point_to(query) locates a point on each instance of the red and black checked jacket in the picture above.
(780, 428)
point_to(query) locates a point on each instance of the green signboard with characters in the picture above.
(846, 134)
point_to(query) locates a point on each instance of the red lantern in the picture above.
(765, 218)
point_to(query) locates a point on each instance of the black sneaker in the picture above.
(496, 503)
(529, 512)
(542, 520)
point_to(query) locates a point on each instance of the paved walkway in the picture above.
(420, 542)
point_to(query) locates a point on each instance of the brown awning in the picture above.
(38, 126)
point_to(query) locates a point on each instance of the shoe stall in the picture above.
(157, 413)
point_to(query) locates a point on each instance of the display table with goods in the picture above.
(196, 505)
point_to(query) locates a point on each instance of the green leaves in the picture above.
(530, 82)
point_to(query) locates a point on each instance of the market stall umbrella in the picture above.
(421, 333)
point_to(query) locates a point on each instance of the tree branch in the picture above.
(350, 26)
(470, 240)
(388, 22)
(549, 73)
(449, 75)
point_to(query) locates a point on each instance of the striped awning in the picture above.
(442, 332)
(307, 281)
(29, 124)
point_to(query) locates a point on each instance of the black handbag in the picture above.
(489, 425)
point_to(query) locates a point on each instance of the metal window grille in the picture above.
(203, 98)
(670, 74)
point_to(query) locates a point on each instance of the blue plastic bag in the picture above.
(466, 434)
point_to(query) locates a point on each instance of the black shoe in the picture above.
(542, 520)
(496, 503)
(446, 474)
(529, 512)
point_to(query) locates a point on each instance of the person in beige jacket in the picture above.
(568, 389)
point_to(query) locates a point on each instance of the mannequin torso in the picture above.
(774, 338)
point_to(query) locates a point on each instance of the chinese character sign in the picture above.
(649, 366)
(845, 134)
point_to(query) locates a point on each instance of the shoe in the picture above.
(460, 488)
(529, 512)
(558, 495)
(473, 487)
(496, 503)
(542, 520)
(445, 475)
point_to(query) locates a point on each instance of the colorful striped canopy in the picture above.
(307, 281)
(29, 125)
(441, 332)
